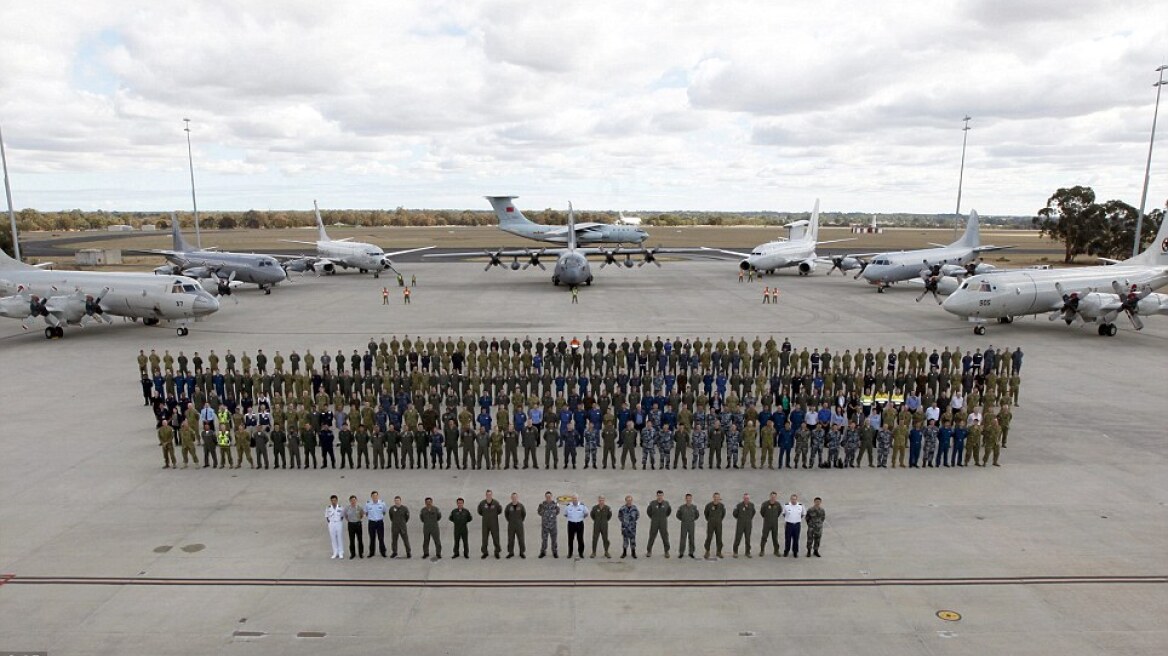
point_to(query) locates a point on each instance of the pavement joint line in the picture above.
(582, 583)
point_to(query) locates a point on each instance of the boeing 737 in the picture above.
(572, 267)
(347, 254)
(512, 220)
(1096, 293)
(883, 269)
(79, 297)
(798, 251)
(225, 267)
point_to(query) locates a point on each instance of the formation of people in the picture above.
(360, 518)
(693, 404)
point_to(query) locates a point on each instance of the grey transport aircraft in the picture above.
(511, 220)
(225, 267)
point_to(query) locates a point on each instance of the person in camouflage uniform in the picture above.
(851, 444)
(628, 516)
(733, 444)
(591, 445)
(930, 433)
(834, 441)
(648, 446)
(817, 439)
(549, 528)
(815, 518)
(883, 446)
(664, 445)
(700, 441)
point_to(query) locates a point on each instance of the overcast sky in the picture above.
(623, 105)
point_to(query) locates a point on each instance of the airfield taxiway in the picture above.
(1059, 551)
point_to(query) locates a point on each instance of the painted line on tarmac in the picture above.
(12, 579)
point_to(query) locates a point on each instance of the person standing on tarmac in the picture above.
(406, 296)
(385, 295)
(575, 294)
(766, 295)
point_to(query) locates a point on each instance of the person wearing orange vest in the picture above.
(406, 296)
(774, 295)
(766, 295)
(385, 295)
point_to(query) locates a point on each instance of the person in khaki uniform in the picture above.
(743, 512)
(430, 516)
(187, 437)
(768, 445)
(973, 443)
(243, 447)
(601, 514)
(991, 442)
(715, 513)
(166, 441)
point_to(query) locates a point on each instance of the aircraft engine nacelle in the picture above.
(197, 272)
(69, 308)
(953, 270)
(1091, 305)
(17, 307)
(745, 265)
(982, 267)
(849, 264)
(946, 285)
(323, 266)
(1152, 304)
(807, 266)
(166, 270)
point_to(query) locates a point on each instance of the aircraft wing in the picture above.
(986, 249)
(834, 241)
(408, 250)
(150, 251)
(308, 243)
(1108, 260)
(486, 252)
(719, 250)
(44, 265)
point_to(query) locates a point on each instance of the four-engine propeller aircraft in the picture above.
(511, 220)
(79, 297)
(798, 251)
(225, 267)
(344, 253)
(883, 269)
(1096, 293)
(572, 267)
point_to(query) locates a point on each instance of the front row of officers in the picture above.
(932, 445)
(374, 512)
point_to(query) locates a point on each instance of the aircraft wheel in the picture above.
(183, 332)
(556, 281)
(879, 290)
(1111, 330)
(376, 274)
(49, 332)
(267, 291)
(1102, 330)
(150, 322)
(979, 330)
(589, 281)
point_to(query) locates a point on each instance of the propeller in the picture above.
(863, 265)
(1129, 303)
(609, 257)
(94, 310)
(931, 284)
(650, 255)
(533, 258)
(1070, 309)
(494, 259)
(837, 264)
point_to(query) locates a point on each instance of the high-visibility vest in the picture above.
(224, 438)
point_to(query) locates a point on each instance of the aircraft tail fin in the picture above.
(572, 226)
(1156, 254)
(812, 234)
(319, 222)
(8, 263)
(971, 238)
(179, 244)
(506, 211)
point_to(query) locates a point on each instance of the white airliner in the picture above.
(956, 259)
(1096, 293)
(78, 297)
(628, 220)
(798, 251)
(345, 253)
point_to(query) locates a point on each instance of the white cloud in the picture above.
(654, 105)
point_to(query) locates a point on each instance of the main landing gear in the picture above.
(1107, 330)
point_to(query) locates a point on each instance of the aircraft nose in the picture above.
(956, 304)
(205, 304)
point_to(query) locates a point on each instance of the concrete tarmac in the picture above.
(1059, 551)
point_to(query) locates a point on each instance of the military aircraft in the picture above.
(512, 220)
(1096, 293)
(621, 219)
(572, 267)
(225, 267)
(957, 259)
(333, 253)
(797, 251)
(80, 297)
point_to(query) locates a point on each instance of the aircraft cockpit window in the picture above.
(965, 285)
(176, 288)
(190, 288)
(985, 287)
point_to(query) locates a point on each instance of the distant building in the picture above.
(119, 227)
(149, 227)
(870, 229)
(97, 256)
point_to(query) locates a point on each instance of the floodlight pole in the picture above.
(961, 175)
(1147, 167)
(194, 203)
(8, 195)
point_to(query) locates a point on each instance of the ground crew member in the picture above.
(385, 295)
(430, 516)
(815, 518)
(333, 516)
(187, 438)
(490, 509)
(687, 514)
(628, 516)
(659, 512)
(715, 513)
(406, 296)
(770, 511)
(774, 295)
(601, 514)
(461, 517)
(628, 444)
(353, 516)
(743, 512)
(575, 294)
(766, 295)
(166, 441)
(223, 438)
(515, 513)
(793, 514)
(399, 517)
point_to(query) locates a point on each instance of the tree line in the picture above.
(1087, 227)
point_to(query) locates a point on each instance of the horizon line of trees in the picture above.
(1087, 227)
